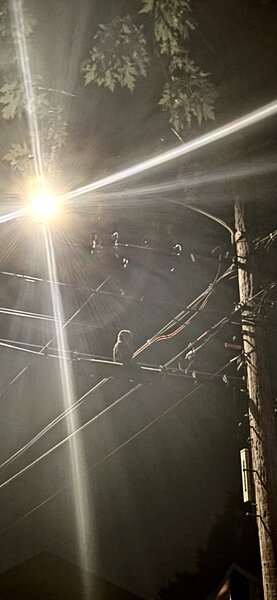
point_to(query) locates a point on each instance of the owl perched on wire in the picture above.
(124, 348)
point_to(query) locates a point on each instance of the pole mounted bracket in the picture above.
(240, 236)
(244, 266)
(248, 514)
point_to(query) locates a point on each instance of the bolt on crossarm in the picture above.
(263, 438)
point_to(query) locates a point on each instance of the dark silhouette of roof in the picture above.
(49, 577)
(240, 583)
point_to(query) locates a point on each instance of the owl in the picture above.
(124, 348)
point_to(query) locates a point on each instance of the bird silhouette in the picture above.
(124, 348)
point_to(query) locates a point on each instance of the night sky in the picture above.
(152, 502)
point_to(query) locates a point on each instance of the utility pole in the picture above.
(263, 439)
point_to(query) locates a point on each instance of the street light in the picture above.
(44, 206)
(42, 203)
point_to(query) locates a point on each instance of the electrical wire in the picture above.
(266, 241)
(26, 314)
(207, 293)
(27, 467)
(179, 317)
(21, 349)
(214, 330)
(76, 404)
(119, 447)
(121, 296)
(206, 214)
(154, 420)
(182, 327)
(52, 423)
(80, 400)
(68, 437)
(26, 368)
(33, 279)
(20, 343)
(60, 417)
(201, 307)
(70, 352)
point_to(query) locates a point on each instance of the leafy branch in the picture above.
(13, 101)
(11, 97)
(119, 57)
(7, 27)
(18, 156)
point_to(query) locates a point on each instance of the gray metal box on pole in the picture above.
(246, 475)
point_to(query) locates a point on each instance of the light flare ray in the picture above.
(80, 491)
(208, 138)
(23, 60)
(11, 216)
(194, 180)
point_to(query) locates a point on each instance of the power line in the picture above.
(54, 422)
(27, 467)
(139, 371)
(25, 369)
(121, 296)
(190, 308)
(181, 315)
(63, 415)
(72, 354)
(26, 314)
(76, 404)
(203, 298)
(206, 214)
(69, 353)
(194, 304)
(115, 370)
(214, 330)
(113, 452)
(66, 439)
(19, 346)
(266, 241)
(83, 288)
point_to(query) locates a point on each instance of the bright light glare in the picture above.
(44, 206)
(208, 138)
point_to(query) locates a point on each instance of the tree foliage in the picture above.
(7, 28)
(119, 55)
(13, 100)
(18, 156)
(11, 97)
(121, 51)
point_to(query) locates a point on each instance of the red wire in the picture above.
(176, 331)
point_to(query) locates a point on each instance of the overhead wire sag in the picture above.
(25, 369)
(115, 450)
(203, 298)
(214, 329)
(95, 388)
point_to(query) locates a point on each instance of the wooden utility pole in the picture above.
(263, 439)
